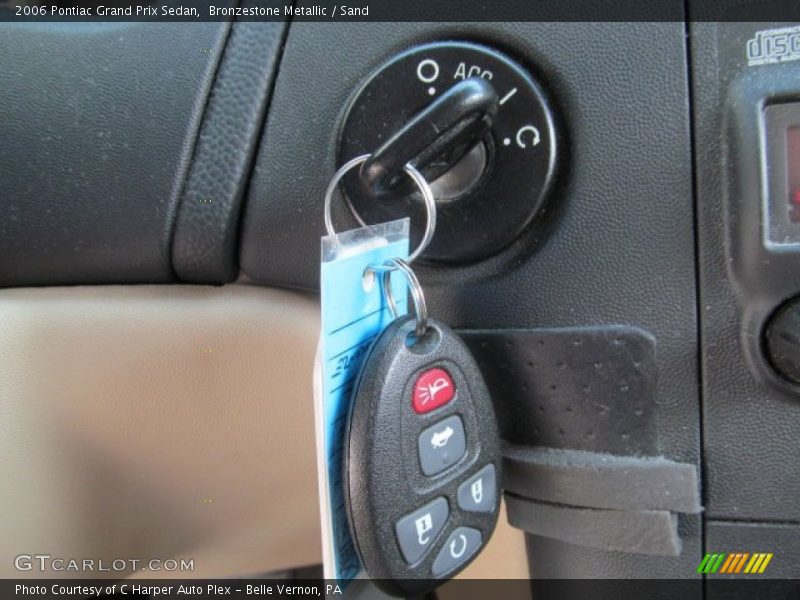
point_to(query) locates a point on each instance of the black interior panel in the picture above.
(98, 128)
(749, 425)
(620, 245)
(162, 152)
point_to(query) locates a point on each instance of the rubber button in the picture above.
(477, 493)
(417, 530)
(442, 445)
(459, 547)
(434, 388)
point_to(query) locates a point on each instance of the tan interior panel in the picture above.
(166, 422)
(158, 422)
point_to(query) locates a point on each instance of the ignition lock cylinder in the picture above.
(478, 127)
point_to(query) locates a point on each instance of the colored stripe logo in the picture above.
(733, 563)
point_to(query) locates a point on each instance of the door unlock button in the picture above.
(417, 530)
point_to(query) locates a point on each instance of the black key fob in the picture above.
(422, 466)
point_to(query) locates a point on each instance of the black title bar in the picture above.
(400, 10)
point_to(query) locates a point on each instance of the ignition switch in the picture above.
(488, 191)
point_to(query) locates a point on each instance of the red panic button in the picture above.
(434, 388)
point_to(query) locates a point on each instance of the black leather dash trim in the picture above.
(204, 243)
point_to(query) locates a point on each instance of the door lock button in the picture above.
(477, 493)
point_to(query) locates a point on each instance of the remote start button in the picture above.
(459, 547)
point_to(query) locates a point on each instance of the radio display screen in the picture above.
(793, 172)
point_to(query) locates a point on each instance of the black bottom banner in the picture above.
(616, 589)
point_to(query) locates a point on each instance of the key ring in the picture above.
(424, 188)
(420, 308)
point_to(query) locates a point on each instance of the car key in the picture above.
(422, 465)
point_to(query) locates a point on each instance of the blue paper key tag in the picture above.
(354, 312)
